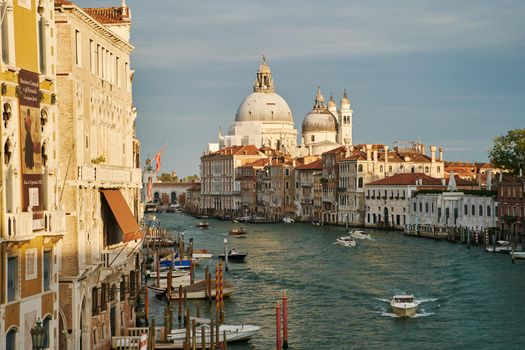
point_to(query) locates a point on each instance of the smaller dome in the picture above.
(319, 119)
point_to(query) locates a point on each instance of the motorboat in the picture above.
(197, 290)
(200, 254)
(345, 241)
(162, 288)
(356, 234)
(404, 305)
(316, 223)
(203, 224)
(234, 256)
(288, 220)
(501, 247)
(234, 333)
(237, 231)
(518, 255)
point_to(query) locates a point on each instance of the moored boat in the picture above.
(501, 247)
(233, 333)
(345, 241)
(518, 255)
(288, 220)
(203, 224)
(404, 305)
(237, 231)
(357, 234)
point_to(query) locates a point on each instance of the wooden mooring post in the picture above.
(278, 325)
(285, 320)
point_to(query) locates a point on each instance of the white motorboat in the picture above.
(518, 255)
(288, 220)
(345, 241)
(404, 305)
(233, 333)
(163, 273)
(360, 234)
(501, 247)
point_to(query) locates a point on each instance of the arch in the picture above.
(62, 329)
(156, 197)
(488, 210)
(360, 168)
(173, 197)
(11, 337)
(360, 182)
(46, 320)
(7, 113)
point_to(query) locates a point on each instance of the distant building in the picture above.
(511, 199)
(170, 193)
(305, 175)
(193, 199)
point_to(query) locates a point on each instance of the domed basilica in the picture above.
(264, 119)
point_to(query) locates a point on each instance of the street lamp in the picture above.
(38, 335)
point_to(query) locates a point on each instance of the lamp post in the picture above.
(225, 253)
(38, 335)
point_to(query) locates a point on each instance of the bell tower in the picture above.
(264, 81)
(344, 121)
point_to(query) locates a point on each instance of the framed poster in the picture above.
(31, 264)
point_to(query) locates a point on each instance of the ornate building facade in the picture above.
(99, 173)
(32, 221)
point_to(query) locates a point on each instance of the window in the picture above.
(4, 32)
(360, 182)
(94, 301)
(287, 185)
(47, 269)
(488, 210)
(360, 168)
(426, 169)
(413, 169)
(47, 331)
(116, 71)
(473, 212)
(438, 169)
(287, 173)
(420, 207)
(381, 168)
(390, 168)
(6, 114)
(11, 339)
(480, 210)
(78, 51)
(41, 44)
(415, 207)
(12, 278)
(466, 209)
(426, 207)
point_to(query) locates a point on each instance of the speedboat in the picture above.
(288, 220)
(501, 247)
(233, 333)
(345, 241)
(234, 256)
(237, 231)
(404, 305)
(203, 224)
(518, 255)
(360, 234)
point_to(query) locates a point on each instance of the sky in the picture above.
(446, 73)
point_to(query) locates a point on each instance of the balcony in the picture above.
(111, 174)
(55, 221)
(18, 226)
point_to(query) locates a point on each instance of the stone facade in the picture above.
(511, 213)
(98, 152)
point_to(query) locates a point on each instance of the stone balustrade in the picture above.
(18, 225)
(55, 221)
(109, 174)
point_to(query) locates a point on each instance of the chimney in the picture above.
(423, 148)
(368, 151)
(441, 153)
(433, 153)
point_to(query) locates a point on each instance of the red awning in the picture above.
(125, 219)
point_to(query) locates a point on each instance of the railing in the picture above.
(107, 173)
(18, 225)
(118, 255)
(138, 331)
(125, 343)
(55, 221)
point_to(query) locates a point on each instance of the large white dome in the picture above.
(266, 107)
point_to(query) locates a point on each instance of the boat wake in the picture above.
(417, 315)
(425, 300)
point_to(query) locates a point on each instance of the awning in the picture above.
(125, 219)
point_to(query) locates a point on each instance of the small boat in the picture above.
(234, 256)
(518, 255)
(203, 224)
(163, 273)
(501, 247)
(345, 241)
(404, 305)
(197, 290)
(200, 254)
(360, 234)
(237, 231)
(233, 333)
(288, 220)
(316, 223)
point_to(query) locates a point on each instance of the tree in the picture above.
(165, 177)
(508, 151)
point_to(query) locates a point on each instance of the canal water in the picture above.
(338, 297)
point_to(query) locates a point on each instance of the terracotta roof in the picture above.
(315, 165)
(258, 163)
(109, 15)
(172, 184)
(336, 150)
(63, 2)
(407, 179)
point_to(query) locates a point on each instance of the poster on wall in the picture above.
(31, 147)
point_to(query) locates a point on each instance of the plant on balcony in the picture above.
(99, 160)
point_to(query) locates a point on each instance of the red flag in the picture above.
(157, 158)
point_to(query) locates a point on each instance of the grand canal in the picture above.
(338, 296)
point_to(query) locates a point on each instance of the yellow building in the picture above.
(30, 220)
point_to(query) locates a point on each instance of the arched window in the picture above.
(6, 114)
(473, 212)
(360, 168)
(438, 169)
(488, 210)
(47, 331)
(390, 168)
(480, 210)
(43, 119)
(313, 138)
(413, 169)
(11, 339)
(360, 182)
(156, 197)
(426, 169)
(466, 209)
(173, 197)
